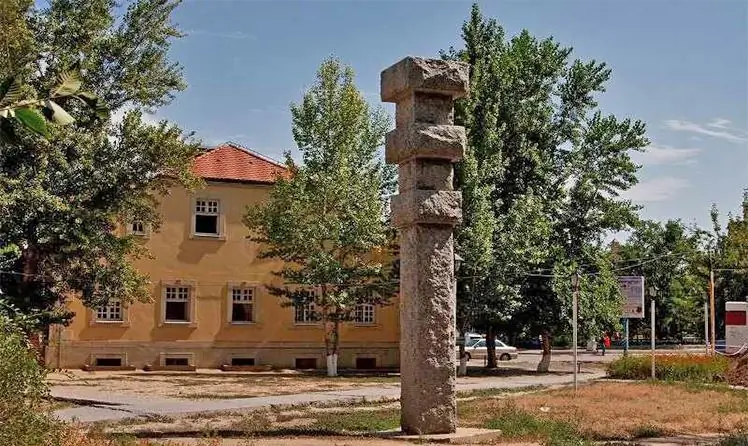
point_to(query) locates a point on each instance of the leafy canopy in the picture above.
(327, 219)
(62, 198)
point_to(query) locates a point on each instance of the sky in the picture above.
(679, 66)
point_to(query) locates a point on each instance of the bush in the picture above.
(690, 368)
(24, 415)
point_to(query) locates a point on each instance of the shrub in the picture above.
(690, 368)
(24, 416)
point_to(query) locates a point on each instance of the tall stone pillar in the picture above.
(424, 145)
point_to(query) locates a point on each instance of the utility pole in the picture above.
(706, 326)
(652, 316)
(712, 318)
(575, 315)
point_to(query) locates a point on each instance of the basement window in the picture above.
(108, 362)
(366, 363)
(242, 361)
(306, 363)
(176, 361)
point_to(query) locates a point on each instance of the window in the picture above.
(364, 314)
(242, 305)
(366, 363)
(176, 362)
(480, 344)
(137, 228)
(108, 362)
(206, 218)
(111, 312)
(305, 313)
(236, 361)
(306, 363)
(176, 304)
(304, 310)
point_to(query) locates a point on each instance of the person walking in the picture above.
(605, 341)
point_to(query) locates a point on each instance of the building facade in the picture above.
(209, 305)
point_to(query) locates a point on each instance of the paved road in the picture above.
(103, 406)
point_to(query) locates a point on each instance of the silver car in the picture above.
(503, 352)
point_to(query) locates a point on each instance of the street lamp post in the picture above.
(575, 316)
(653, 295)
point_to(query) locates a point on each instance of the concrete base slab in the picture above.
(464, 435)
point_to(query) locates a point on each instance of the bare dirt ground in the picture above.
(211, 385)
(601, 411)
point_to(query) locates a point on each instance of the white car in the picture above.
(503, 352)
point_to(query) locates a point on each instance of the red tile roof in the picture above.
(229, 162)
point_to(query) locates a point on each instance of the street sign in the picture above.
(632, 288)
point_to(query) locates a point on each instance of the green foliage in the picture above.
(516, 423)
(358, 421)
(327, 220)
(24, 420)
(734, 439)
(13, 104)
(689, 368)
(62, 198)
(667, 255)
(541, 181)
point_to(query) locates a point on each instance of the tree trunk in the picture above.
(331, 347)
(462, 371)
(491, 362)
(545, 360)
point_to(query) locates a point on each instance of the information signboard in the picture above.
(632, 288)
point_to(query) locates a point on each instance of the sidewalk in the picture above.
(103, 406)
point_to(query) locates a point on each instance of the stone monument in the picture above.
(425, 144)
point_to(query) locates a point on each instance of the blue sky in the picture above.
(682, 67)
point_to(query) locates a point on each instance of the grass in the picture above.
(603, 411)
(357, 421)
(487, 393)
(688, 368)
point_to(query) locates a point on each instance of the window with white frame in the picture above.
(137, 228)
(304, 313)
(177, 304)
(206, 217)
(111, 312)
(242, 304)
(365, 314)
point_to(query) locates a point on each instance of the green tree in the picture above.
(667, 256)
(327, 221)
(554, 166)
(63, 197)
(724, 252)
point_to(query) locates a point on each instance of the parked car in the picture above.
(479, 350)
(472, 338)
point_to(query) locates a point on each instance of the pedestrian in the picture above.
(602, 344)
(606, 342)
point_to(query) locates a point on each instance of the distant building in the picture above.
(209, 304)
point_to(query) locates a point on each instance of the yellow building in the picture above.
(209, 305)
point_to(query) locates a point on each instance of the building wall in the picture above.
(209, 267)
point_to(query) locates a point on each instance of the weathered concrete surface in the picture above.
(424, 144)
(463, 435)
(104, 405)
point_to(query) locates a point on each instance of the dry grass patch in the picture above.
(213, 386)
(618, 410)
